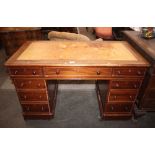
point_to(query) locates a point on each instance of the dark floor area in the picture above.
(74, 109)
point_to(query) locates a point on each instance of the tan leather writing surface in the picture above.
(76, 51)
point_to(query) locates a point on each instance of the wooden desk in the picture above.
(146, 47)
(36, 67)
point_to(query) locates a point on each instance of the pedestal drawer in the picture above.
(128, 72)
(28, 71)
(150, 94)
(33, 95)
(118, 107)
(29, 84)
(122, 95)
(128, 84)
(35, 108)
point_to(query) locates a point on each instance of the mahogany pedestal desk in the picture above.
(37, 66)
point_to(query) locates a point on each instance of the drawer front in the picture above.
(150, 94)
(29, 83)
(121, 96)
(125, 84)
(128, 71)
(35, 71)
(35, 108)
(113, 108)
(77, 71)
(32, 96)
(148, 104)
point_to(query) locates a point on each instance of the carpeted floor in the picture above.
(74, 109)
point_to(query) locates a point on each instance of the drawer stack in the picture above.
(122, 92)
(33, 93)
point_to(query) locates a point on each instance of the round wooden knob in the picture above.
(139, 72)
(39, 84)
(57, 71)
(117, 85)
(98, 73)
(28, 108)
(112, 108)
(40, 96)
(25, 97)
(135, 86)
(115, 97)
(30, 82)
(126, 108)
(130, 97)
(16, 71)
(119, 72)
(34, 72)
(42, 108)
(129, 70)
(22, 84)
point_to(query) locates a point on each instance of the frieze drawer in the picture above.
(77, 71)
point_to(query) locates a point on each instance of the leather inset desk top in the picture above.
(106, 53)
